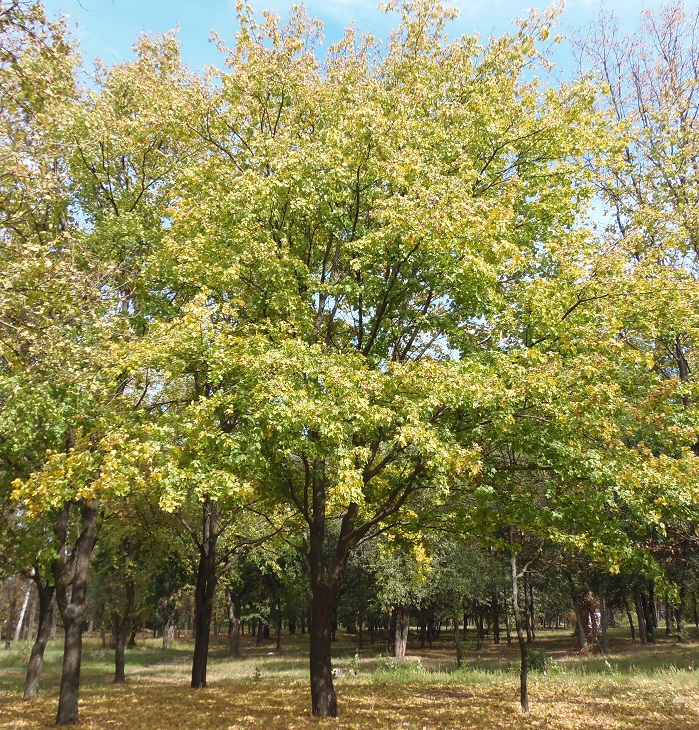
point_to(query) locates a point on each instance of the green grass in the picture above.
(652, 687)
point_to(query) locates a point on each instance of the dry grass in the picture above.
(653, 688)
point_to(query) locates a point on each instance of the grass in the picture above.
(650, 687)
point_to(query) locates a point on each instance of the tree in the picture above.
(353, 224)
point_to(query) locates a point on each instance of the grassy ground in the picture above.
(650, 687)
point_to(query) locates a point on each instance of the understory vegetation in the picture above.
(657, 687)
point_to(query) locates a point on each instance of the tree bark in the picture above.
(36, 660)
(629, 616)
(679, 616)
(582, 636)
(72, 608)
(604, 619)
(640, 614)
(22, 613)
(508, 622)
(524, 659)
(457, 642)
(323, 697)
(398, 631)
(205, 590)
(279, 626)
(495, 608)
(526, 608)
(233, 623)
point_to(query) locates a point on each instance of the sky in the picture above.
(108, 28)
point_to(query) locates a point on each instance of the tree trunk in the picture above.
(603, 617)
(582, 636)
(526, 608)
(648, 615)
(323, 697)
(72, 608)
(478, 621)
(457, 642)
(123, 622)
(532, 612)
(524, 663)
(495, 608)
(22, 613)
(679, 616)
(508, 622)
(205, 590)
(279, 626)
(639, 613)
(168, 632)
(668, 617)
(120, 627)
(36, 660)
(233, 623)
(629, 616)
(398, 631)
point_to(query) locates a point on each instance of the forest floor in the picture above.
(653, 687)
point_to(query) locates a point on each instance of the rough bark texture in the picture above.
(323, 697)
(36, 660)
(72, 606)
(204, 591)
(398, 631)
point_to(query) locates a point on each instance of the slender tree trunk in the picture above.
(22, 613)
(648, 615)
(72, 608)
(679, 616)
(532, 612)
(233, 623)
(36, 660)
(627, 608)
(508, 622)
(478, 620)
(279, 626)
(457, 642)
(668, 617)
(495, 608)
(525, 583)
(123, 627)
(524, 660)
(120, 627)
(603, 617)
(430, 625)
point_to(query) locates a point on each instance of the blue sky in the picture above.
(107, 28)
